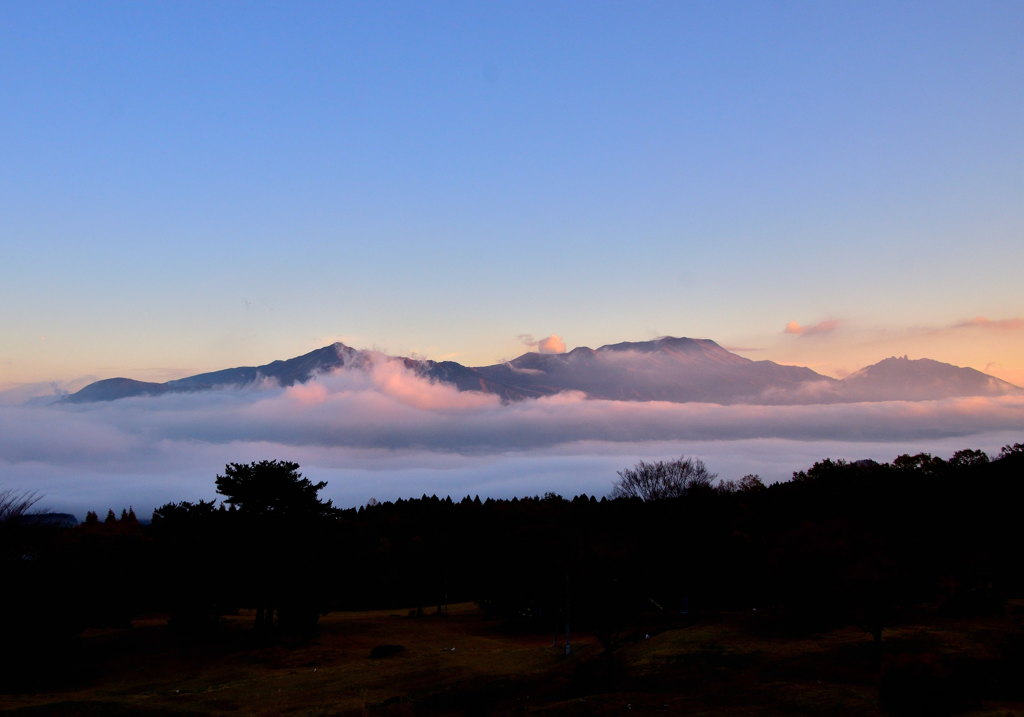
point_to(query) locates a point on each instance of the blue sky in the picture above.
(192, 185)
(187, 186)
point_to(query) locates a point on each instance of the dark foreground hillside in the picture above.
(720, 664)
(857, 588)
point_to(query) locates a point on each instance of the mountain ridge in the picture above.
(674, 369)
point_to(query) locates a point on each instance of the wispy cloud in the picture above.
(980, 322)
(743, 349)
(18, 393)
(822, 327)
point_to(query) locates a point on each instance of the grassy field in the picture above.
(722, 664)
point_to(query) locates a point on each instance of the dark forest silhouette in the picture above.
(843, 543)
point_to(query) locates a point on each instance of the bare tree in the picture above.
(663, 479)
(749, 483)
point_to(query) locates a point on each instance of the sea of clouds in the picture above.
(386, 433)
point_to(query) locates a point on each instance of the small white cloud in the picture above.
(552, 344)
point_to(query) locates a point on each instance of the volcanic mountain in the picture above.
(297, 370)
(903, 379)
(665, 369)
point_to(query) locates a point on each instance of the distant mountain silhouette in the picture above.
(110, 389)
(296, 370)
(286, 373)
(906, 379)
(666, 369)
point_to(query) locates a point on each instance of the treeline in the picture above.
(842, 543)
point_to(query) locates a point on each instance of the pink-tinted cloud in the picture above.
(822, 327)
(394, 380)
(980, 322)
(552, 344)
(307, 394)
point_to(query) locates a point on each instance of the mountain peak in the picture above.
(663, 342)
(109, 389)
(904, 378)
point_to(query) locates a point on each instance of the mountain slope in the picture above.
(903, 379)
(110, 389)
(287, 373)
(667, 369)
(465, 378)
(298, 370)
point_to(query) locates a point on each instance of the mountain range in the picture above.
(665, 369)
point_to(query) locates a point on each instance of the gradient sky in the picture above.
(186, 186)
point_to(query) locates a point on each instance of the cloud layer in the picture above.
(389, 433)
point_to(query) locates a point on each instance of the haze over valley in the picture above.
(379, 426)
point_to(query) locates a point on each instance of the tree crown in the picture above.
(271, 488)
(663, 479)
